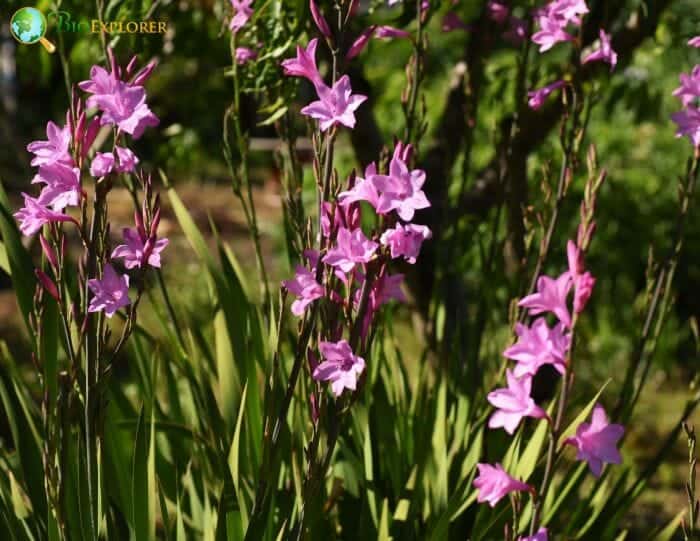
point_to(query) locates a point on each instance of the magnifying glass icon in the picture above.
(28, 25)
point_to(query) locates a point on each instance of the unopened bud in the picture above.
(46, 283)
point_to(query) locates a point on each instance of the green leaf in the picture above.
(143, 492)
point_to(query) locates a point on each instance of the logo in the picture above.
(28, 26)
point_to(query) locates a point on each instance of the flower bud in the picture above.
(49, 252)
(320, 21)
(145, 72)
(46, 283)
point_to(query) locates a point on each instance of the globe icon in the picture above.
(28, 25)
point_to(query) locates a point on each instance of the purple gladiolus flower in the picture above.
(401, 189)
(538, 97)
(242, 12)
(694, 42)
(539, 345)
(550, 297)
(597, 441)
(351, 248)
(541, 535)
(363, 190)
(493, 484)
(110, 293)
(55, 149)
(62, 185)
(550, 33)
(689, 91)
(102, 164)
(138, 250)
(33, 216)
(340, 366)
(245, 55)
(305, 287)
(337, 105)
(405, 241)
(565, 12)
(121, 103)
(304, 65)
(688, 122)
(513, 403)
(604, 53)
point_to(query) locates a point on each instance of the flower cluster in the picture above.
(514, 29)
(539, 344)
(688, 118)
(554, 21)
(119, 98)
(350, 270)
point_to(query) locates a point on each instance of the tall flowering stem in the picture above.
(69, 152)
(240, 173)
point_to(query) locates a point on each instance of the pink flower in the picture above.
(110, 293)
(405, 241)
(103, 162)
(401, 189)
(245, 55)
(689, 90)
(127, 160)
(242, 12)
(583, 280)
(550, 297)
(493, 484)
(320, 21)
(55, 149)
(498, 11)
(538, 97)
(351, 248)
(363, 190)
(451, 21)
(62, 185)
(550, 33)
(340, 366)
(539, 345)
(305, 287)
(604, 53)
(389, 32)
(694, 42)
(597, 441)
(304, 65)
(336, 105)
(33, 216)
(541, 535)
(138, 250)
(386, 288)
(565, 11)
(688, 122)
(121, 103)
(513, 403)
